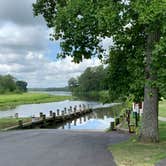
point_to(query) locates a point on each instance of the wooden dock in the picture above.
(55, 118)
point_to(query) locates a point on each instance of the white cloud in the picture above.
(38, 71)
(24, 44)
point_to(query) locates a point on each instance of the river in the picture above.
(99, 119)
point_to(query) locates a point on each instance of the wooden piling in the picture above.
(16, 115)
(65, 110)
(54, 115)
(41, 114)
(44, 121)
(57, 112)
(51, 113)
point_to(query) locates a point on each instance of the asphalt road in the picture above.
(57, 148)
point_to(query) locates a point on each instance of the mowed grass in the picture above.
(134, 153)
(162, 108)
(9, 122)
(9, 100)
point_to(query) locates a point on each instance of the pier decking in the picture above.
(57, 117)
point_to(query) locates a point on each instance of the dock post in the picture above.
(71, 108)
(65, 110)
(57, 112)
(84, 107)
(51, 113)
(75, 108)
(41, 114)
(80, 108)
(16, 115)
(54, 115)
(44, 117)
(69, 111)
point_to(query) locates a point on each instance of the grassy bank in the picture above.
(133, 153)
(162, 108)
(10, 100)
(9, 122)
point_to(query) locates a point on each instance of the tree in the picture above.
(7, 83)
(139, 34)
(72, 83)
(22, 86)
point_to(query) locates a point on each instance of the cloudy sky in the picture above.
(27, 53)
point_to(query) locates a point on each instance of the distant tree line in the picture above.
(92, 83)
(9, 84)
(66, 88)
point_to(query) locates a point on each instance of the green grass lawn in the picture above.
(133, 153)
(9, 100)
(9, 122)
(162, 108)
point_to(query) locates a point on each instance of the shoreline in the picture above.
(8, 101)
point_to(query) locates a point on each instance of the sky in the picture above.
(26, 51)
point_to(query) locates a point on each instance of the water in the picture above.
(30, 110)
(99, 119)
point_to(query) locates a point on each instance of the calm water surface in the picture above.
(97, 120)
(29, 110)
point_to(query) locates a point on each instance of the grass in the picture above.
(9, 122)
(162, 108)
(10, 100)
(133, 153)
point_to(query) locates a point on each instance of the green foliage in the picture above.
(72, 83)
(10, 100)
(139, 154)
(90, 83)
(66, 89)
(162, 108)
(9, 122)
(8, 84)
(82, 24)
(138, 29)
(22, 86)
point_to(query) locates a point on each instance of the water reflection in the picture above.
(97, 120)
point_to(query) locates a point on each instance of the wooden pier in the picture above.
(55, 118)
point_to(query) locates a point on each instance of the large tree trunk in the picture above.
(149, 131)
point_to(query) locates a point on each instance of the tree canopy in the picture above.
(91, 83)
(8, 84)
(137, 58)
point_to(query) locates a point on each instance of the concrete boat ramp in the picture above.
(51, 147)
